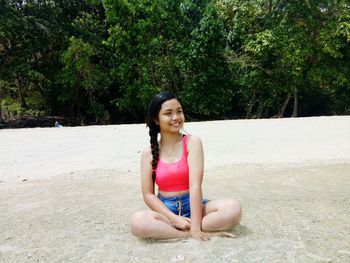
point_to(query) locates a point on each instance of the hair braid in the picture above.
(153, 112)
(153, 133)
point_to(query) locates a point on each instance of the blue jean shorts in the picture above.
(179, 205)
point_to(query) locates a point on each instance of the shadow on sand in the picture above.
(239, 231)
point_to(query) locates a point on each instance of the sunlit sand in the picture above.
(66, 194)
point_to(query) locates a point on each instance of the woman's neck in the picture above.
(170, 138)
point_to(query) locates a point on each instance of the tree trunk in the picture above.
(153, 74)
(79, 98)
(1, 96)
(171, 70)
(251, 104)
(20, 94)
(260, 109)
(270, 6)
(295, 108)
(284, 106)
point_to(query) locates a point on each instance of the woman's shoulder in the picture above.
(193, 140)
(147, 153)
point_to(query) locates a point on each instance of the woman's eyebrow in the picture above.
(169, 109)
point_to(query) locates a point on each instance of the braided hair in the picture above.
(153, 111)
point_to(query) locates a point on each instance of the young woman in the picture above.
(175, 163)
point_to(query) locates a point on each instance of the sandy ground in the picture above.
(66, 194)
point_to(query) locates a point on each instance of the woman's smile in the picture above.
(171, 116)
(176, 124)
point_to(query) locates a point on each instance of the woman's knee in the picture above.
(138, 223)
(232, 211)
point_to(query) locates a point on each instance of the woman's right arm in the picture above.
(148, 192)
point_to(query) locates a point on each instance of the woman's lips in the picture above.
(176, 124)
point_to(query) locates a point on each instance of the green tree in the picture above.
(85, 76)
(83, 80)
(277, 52)
(169, 45)
(88, 60)
(146, 38)
(23, 85)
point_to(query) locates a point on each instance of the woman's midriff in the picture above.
(171, 194)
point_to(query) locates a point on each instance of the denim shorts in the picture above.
(179, 205)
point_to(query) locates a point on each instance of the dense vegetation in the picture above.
(94, 61)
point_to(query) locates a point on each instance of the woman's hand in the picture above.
(203, 236)
(200, 235)
(180, 222)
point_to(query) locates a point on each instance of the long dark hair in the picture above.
(152, 123)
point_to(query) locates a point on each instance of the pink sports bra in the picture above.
(173, 177)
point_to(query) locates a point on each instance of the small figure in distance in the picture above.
(176, 164)
(58, 125)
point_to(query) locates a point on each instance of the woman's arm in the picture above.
(196, 167)
(148, 193)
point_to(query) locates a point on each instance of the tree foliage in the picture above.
(101, 62)
(288, 49)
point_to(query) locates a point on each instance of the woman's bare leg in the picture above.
(150, 224)
(221, 214)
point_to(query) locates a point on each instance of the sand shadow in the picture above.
(241, 231)
(238, 231)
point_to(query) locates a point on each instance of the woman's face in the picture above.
(171, 117)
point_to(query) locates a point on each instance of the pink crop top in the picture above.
(173, 177)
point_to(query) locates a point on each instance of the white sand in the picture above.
(47, 152)
(66, 194)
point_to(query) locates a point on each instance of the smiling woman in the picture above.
(175, 163)
(171, 117)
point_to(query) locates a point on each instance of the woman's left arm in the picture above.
(196, 167)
